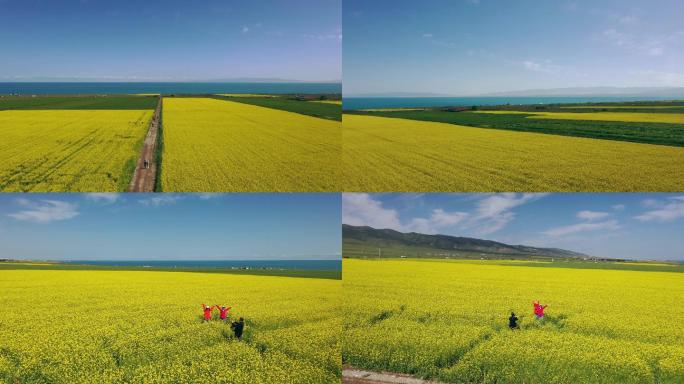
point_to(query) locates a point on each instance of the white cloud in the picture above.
(438, 220)
(494, 212)
(245, 29)
(609, 225)
(361, 209)
(670, 210)
(592, 215)
(427, 35)
(545, 66)
(106, 198)
(45, 211)
(324, 36)
(162, 199)
(209, 196)
(618, 207)
(490, 214)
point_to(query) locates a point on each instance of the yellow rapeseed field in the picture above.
(633, 117)
(245, 95)
(146, 327)
(69, 150)
(218, 145)
(385, 154)
(449, 320)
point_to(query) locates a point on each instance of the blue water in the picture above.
(166, 88)
(351, 103)
(269, 264)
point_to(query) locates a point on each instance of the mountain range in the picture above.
(364, 241)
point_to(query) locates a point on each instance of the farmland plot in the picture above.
(219, 145)
(135, 327)
(448, 320)
(384, 154)
(69, 150)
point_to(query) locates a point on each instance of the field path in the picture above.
(144, 178)
(352, 375)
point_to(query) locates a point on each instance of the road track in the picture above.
(144, 178)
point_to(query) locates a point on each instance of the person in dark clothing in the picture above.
(238, 327)
(513, 321)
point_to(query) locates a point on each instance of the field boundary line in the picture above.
(145, 174)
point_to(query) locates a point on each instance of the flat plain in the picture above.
(70, 150)
(87, 326)
(411, 154)
(225, 146)
(448, 320)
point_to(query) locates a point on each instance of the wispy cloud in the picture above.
(163, 199)
(490, 214)
(245, 29)
(427, 35)
(668, 210)
(618, 207)
(105, 198)
(209, 196)
(647, 46)
(592, 215)
(44, 211)
(592, 221)
(493, 213)
(544, 66)
(362, 209)
(610, 225)
(336, 35)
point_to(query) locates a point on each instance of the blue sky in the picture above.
(631, 225)
(177, 40)
(168, 226)
(466, 47)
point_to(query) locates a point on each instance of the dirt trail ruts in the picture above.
(352, 375)
(144, 177)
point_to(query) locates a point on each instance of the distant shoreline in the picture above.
(357, 103)
(323, 269)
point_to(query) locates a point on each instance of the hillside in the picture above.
(370, 242)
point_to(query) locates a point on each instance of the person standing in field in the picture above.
(223, 312)
(238, 327)
(207, 312)
(539, 309)
(513, 321)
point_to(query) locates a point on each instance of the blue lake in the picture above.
(269, 264)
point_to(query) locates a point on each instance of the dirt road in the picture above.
(357, 376)
(144, 177)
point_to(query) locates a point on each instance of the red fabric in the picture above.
(207, 313)
(224, 312)
(539, 309)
